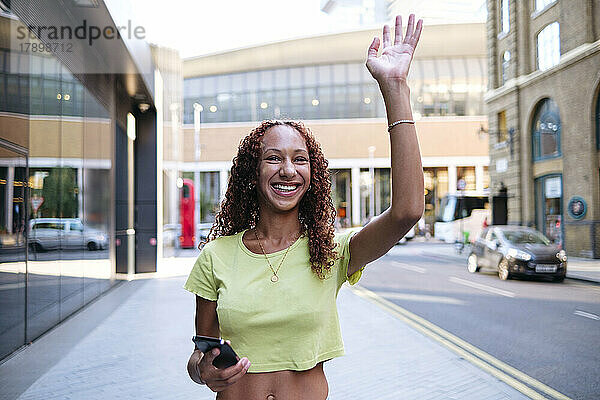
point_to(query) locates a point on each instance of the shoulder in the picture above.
(222, 244)
(342, 238)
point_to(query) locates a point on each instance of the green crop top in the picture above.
(288, 325)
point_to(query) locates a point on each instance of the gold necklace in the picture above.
(274, 278)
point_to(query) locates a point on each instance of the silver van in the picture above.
(64, 233)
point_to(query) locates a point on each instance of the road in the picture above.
(549, 331)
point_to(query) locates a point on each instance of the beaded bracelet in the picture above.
(402, 121)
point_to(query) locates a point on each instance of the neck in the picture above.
(277, 225)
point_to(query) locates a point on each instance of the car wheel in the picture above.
(472, 265)
(36, 248)
(91, 246)
(503, 272)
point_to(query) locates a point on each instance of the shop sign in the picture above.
(577, 207)
(553, 188)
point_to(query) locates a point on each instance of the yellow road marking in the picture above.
(466, 350)
(590, 286)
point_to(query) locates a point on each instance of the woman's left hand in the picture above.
(394, 62)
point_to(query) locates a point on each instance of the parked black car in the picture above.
(517, 251)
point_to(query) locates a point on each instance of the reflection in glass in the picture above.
(58, 196)
(13, 188)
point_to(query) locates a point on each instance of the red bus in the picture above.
(186, 214)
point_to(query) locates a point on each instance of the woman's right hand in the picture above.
(219, 379)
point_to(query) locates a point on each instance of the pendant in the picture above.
(274, 278)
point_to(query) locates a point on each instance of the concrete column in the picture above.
(173, 197)
(130, 207)
(223, 175)
(452, 178)
(479, 178)
(80, 194)
(355, 178)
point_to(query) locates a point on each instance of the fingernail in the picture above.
(215, 351)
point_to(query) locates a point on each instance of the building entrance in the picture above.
(549, 206)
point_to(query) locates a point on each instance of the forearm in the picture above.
(407, 171)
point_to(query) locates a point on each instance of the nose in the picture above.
(287, 169)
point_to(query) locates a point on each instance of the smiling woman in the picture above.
(268, 277)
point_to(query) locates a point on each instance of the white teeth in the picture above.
(285, 188)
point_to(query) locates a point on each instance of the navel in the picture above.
(271, 397)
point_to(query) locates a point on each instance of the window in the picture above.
(546, 130)
(502, 132)
(76, 226)
(548, 46)
(505, 65)
(541, 4)
(505, 16)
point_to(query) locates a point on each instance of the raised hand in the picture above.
(394, 62)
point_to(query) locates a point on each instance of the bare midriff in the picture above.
(280, 385)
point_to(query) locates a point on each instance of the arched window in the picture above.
(505, 65)
(545, 130)
(541, 4)
(548, 46)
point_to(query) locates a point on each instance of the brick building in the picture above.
(544, 118)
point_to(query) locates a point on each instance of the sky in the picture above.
(197, 27)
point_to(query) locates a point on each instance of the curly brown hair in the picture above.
(239, 209)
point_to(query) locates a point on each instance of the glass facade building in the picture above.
(64, 171)
(439, 87)
(323, 80)
(65, 196)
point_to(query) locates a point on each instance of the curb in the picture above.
(583, 278)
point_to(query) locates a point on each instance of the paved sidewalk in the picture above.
(134, 341)
(577, 268)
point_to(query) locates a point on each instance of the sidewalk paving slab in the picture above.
(140, 349)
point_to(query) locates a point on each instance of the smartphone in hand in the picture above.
(225, 359)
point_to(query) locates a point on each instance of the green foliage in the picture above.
(60, 193)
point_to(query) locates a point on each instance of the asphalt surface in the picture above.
(547, 330)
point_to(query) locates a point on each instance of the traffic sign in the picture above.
(36, 203)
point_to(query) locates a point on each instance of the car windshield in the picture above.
(526, 237)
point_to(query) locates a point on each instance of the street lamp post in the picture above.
(461, 185)
(175, 154)
(197, 122)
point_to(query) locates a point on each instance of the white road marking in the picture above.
(422, 298)
(480, 286)
(409, 267)
(587, 315)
